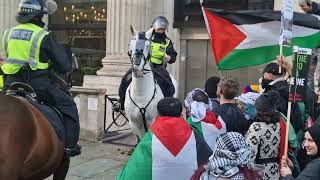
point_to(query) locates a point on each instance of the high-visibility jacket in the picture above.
(158, 51)
(22, 46)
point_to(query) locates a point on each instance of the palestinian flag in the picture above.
(169, 150)
(248, 38)
(209, 128)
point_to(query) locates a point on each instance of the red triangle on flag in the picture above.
(224, 36)
(172, 132)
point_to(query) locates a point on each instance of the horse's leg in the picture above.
(61, 172)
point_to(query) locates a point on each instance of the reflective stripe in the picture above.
(33, 49)
(16, 61)
(5, 41)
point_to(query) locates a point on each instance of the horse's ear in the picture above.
(149, 33)
(133, 31)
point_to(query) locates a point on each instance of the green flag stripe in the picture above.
(239, 58)
(196, 126)
(139, 166)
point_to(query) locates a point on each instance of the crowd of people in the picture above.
(232, 135)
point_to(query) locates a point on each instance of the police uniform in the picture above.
(31, 51)
(160, 45)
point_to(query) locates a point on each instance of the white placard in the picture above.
(92, 104)
(286, 23)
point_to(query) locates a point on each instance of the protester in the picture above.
(264, 134)
(310, 151)
(201, 119)
(310, 163)
(273, 80)
(228, 89)
(169, 150)
(211, 89)
(230, 160)
(246, 104)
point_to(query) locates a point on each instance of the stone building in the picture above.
(99, 32)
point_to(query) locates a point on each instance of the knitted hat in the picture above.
(266, 102)
(315, 134)
(248, 98)
(250, 88)
(211, 86)
(169, 106)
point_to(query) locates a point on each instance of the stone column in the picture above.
(8, 10)
(120, 15)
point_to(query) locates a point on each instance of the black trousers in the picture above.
(51, 94)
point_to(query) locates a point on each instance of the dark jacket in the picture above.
(233, 117)
(311, 172)
(282, 106)
(52, 52)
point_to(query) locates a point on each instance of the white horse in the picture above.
(143, 94)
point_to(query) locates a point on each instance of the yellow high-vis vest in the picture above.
(158, 51)
(22, 46)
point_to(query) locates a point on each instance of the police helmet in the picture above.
(160, 22)
(28, 9)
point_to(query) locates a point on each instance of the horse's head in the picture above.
(139, 49)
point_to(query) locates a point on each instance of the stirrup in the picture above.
(116, 107)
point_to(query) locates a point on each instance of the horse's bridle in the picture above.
(143, 109)
(144, 64)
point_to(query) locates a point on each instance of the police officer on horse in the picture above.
(162, 52)
(31, 53)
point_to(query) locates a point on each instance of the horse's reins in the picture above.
(143, 110)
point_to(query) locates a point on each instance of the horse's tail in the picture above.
(16, 136)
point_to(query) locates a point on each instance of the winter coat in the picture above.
(283, 88)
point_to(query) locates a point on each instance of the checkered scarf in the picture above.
(230, 152)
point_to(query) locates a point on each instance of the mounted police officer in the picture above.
(162, 52)
(31, 52)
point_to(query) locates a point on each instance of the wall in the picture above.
(278, 5)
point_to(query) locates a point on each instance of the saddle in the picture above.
(54, 116)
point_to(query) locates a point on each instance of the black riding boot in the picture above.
(125, 82)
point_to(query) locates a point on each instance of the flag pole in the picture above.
(281, 54)
(287, 130)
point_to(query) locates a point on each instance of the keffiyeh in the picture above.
(230, 152)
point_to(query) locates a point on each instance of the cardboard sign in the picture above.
(298, 81)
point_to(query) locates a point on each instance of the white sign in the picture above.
(92, 104)
(286, 23)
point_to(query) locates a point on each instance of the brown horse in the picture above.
(29, 146)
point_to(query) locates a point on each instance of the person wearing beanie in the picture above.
(170, 149)
(310, 156)
(246, 104)
(210, 88)
(201, 118)
(264, 134)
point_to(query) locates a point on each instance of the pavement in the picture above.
(98, 161)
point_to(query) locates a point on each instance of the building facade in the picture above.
(98, 31)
